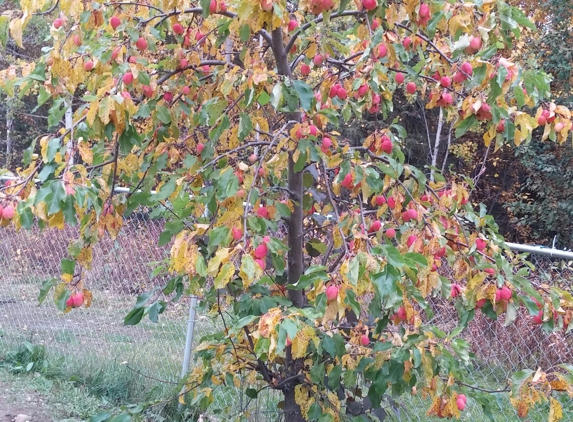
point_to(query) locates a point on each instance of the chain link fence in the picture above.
(95, 341)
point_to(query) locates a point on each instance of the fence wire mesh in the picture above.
(94, 340)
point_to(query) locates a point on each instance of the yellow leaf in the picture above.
(16, 29)
(56, 220)
(301, 340)
(489, 135)
(225, 274)
(555, 410)
(85, 152)
(221, 257)
(85, 257)
(268, 322)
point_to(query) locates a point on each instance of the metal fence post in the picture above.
(189, 336)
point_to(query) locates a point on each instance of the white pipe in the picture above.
(540, 250)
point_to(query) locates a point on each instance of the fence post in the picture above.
(189, 337)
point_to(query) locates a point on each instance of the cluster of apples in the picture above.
(261, 252)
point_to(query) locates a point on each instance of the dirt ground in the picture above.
(15, 402)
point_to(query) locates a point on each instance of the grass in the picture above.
(71, 392)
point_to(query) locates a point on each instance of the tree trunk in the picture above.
(292, 410)
(295, 265)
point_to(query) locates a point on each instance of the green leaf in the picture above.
(134, 316)
(518, 379)
(143, 298)
(463, 125)
(163, 114)
(311, 276)
(394, 256)
(351, 301)
(101, 417)
(245, 32)
(47, 285)
(251, 393)
(245, 126)
(334, 345)
(462, 349)
(68, 266)
(166, 190)
(386, 283)
(334, 377)
(305, 94)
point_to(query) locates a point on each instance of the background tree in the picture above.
(321, 255)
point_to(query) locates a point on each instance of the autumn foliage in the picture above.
(320, 257)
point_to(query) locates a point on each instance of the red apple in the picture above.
(475, 43)
(490, 271)
(185, 90)
(559, 126)
(75, 300)
(399, 77)
(267, 5)
(58, 23)
(538, 319)
(456, 290)
(77, 40)
(263, 212)
(411, 240)
(411, 88)
(390, 233)
(147, 91)
(331, 292)
(261, 251)
(326, 143)
(8, 212)
(500, 128)
(128, 78)
(305, 69)
(424, 11)
(364, 340)
(480, 244)
(480, 303)
(89, 65)
(406, 42)
(386, 145)
(362, 90)
(375, 226)
(114, 22)
(178, 29)
(347, 182)
(213, 6)
(459, 77)
(466, 67)
(380, 200)
(461, 404)
(541, 120)
(292, 25)
(252, 158)
(168, 96)
(200, 148)
(318, 60)
(141, 43)
(445, 81)
(505, 293)
(391, 202)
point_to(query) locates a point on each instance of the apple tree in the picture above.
(322, 258)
